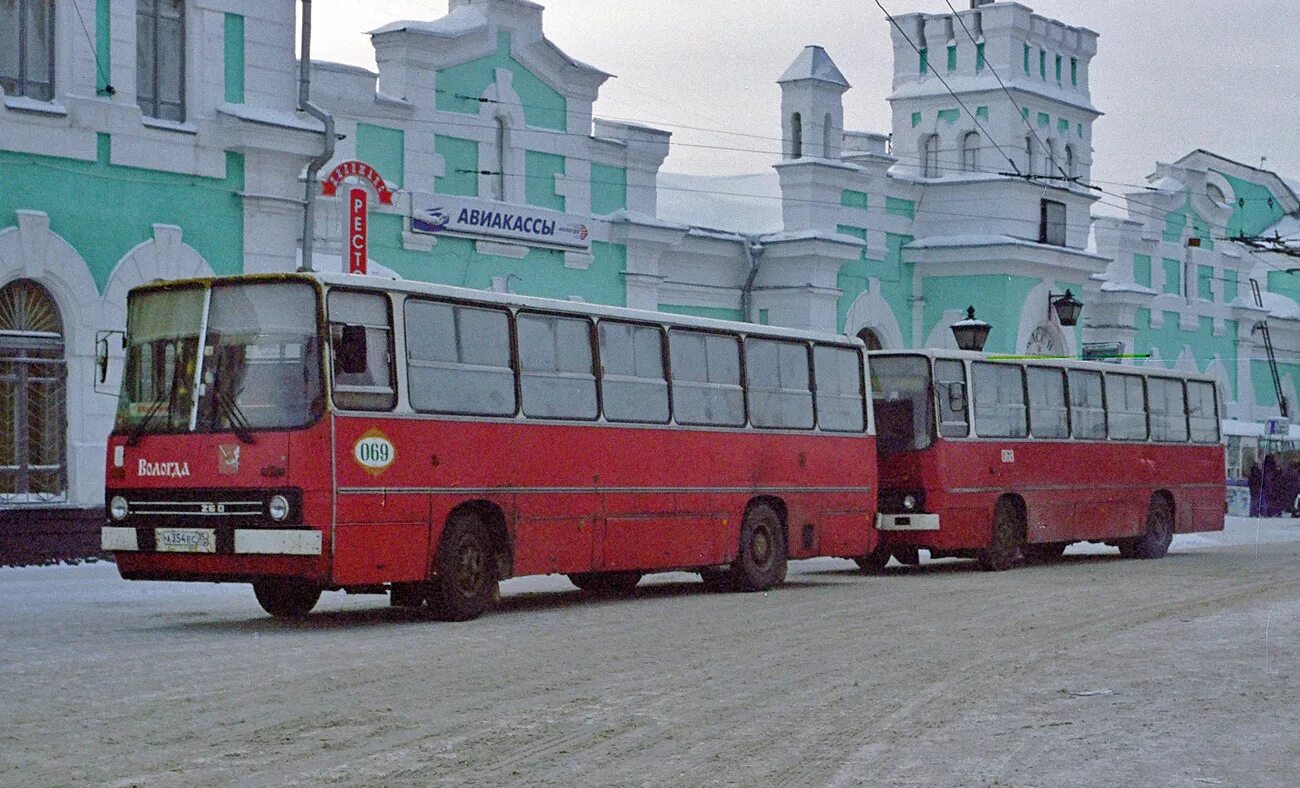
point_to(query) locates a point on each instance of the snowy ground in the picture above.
(1094, 671)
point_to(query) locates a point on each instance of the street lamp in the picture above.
(1068, 308)
(971, 333)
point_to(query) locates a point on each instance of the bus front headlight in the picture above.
(118, 508)
(909, 502)
(278, 508)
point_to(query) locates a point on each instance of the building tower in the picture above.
(812, 106)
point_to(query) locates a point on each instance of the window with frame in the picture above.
(1048, 415)
(632, 381)
(777, 378)
(706, 378)
(970, 152)
(1087, 405)
(901, 400)
(458, 359)
(1203, 411)
(930, 156)
(840, 399)
(160, 58)
(27, 48)
(999, 400)
(951, 390)
(1051, 223)
(1126, 411)
(1029, 155)
(557, 379)
(375, 387)
(1168, 409)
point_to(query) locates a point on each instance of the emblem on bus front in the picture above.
(228, 459)
(374, 452)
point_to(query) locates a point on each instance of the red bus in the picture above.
(335, 432)
(1057, 452)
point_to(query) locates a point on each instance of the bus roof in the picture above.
(380, 284)
(1071, 363)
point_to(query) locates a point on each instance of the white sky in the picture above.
(1171, 75)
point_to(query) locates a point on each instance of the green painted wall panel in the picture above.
(1256, 208)
(952, 58)
(925, 60)
(541, 173)
(900, 207)
(950, 116)
(1142, 269)
(461, 160)
(608, 189)
(1173, 275)
(104, 210)
(1026, 58)
(982, 113)
(385, 150)
(853, 199)
(993, 296)
(1204, 282)
(459, 88)
(1044, 120)
(103, 45)
(980, 60)
(234, 56)
(1170, 342)
(1229, 286)
(916, 119)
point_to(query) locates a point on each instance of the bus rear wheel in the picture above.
(465, 583)
(1004, 549)
(286, 597)
(761, 562)
(1154, 543)
(606, 582)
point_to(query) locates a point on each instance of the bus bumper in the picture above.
(247, 541)
(907, 522)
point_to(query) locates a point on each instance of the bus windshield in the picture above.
(900, 387)
(259, 367)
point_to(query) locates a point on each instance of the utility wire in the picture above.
(94, 51)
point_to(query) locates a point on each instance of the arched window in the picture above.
(970, 152)
(499, 179)
(33, 379)
(1029, 155)
(871, 339)
(1069, 161)
(930, 156)
(796, 136)
(1051, 159)
(828, 137)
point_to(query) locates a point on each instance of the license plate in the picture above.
(186, 540)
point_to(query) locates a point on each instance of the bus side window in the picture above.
(950, 388)
(633, 384)
(557, 378)
(999, 400)
(1126, 410)
(1203, 412)
(1087, 411)
(1168, 410)
(838, 372)
(706, 378)
(1048, 417)
(458, 359)
(776, 374)
(363, 380)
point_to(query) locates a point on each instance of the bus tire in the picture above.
(717, 580)
(1045, 551)
(874, 561)
(1004, 549)
(761, 560)
(606, 582)
(465, 583)
(1154, 543)
(907, 556)
(285, 597)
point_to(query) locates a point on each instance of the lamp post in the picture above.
(971, 333)
(1068, 308)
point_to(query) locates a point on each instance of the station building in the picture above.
(125, 159)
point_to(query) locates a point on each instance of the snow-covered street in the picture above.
(1093, 671)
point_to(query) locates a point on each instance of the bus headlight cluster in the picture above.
(278, 508)
(118, 508)
(909, 502)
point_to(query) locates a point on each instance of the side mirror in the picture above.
(103, 359)
(350, 350)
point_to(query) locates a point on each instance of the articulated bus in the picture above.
(1006, 459)
(333, 432)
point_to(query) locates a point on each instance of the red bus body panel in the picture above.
(1072, 490)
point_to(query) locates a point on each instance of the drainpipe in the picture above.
(753, 256)
(327, 152)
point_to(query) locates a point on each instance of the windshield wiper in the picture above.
(239, 423)
(137, 432)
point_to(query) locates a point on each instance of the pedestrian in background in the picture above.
(1255, 481)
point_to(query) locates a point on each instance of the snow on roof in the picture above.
(271, 117)
(1280, 306)
(813, 63)
(463, 20)
(741, 203)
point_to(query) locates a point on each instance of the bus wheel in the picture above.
(874, 561)
(717, 580)
(606, 582)
(286, 597)
(908, 556)
(466, 582)
(1160, 532)
(1045, 551)
(1003, 551)
(761, 561)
